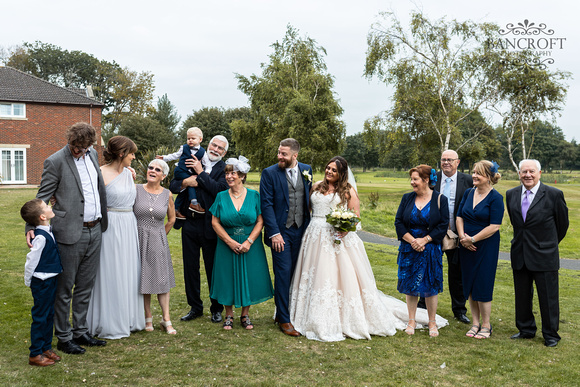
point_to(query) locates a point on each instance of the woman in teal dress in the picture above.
(479, 217)
(240, 275)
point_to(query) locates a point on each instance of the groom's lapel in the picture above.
(284, 183)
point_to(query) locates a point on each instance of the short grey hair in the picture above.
(162, 164)
(538, 165)
(221, 138)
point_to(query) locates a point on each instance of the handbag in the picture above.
(451, 239)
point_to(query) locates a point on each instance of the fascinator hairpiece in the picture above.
(433, 176)
(240, 164)
(494, 167)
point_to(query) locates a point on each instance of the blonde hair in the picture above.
(483, 168)
(195, 130)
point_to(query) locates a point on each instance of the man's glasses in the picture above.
(447, 160)
(220, 148)
(152, 168)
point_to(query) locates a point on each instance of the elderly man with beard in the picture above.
(197, 232)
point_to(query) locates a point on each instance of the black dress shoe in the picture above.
(70, 347)
(216, 317)
(521, 335)
(550, 342)
(89, 341)
(463, 318)
(191, 315)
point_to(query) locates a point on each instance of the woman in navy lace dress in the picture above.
(421, 224)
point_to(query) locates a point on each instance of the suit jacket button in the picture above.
(82, 215)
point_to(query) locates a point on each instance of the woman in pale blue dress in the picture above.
(116, 306)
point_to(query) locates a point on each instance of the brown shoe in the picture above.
(49, 353)
(196, 208)
(288, 329)
(40, 360)
(178, 215)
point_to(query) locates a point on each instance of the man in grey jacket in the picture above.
(73, 177)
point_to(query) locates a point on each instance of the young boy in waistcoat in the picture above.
(187, 151)
(40, 272)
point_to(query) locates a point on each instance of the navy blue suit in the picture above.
(197, 233)
(275, 206)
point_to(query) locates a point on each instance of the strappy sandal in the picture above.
(149, 320)
(246, 323)
(165, 326)
(433, 332)
(228, 323)
(410, 330)
(473, 331)
(484, 333)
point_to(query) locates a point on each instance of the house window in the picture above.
(13, 166)
(12, 110)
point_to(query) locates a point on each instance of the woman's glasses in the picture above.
(152, 168)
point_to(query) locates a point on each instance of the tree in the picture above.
(166, 114)
(293, 97)
(123, 91)
(527, 95)
(442, 73)
(146, 132)
(213, 121)
(359, 154)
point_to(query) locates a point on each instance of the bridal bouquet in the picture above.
(342, 219)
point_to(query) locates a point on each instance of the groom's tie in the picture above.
(291, 175)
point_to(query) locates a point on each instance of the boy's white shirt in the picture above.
(204, 160)
(33, 257)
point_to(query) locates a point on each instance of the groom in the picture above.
(285, 199)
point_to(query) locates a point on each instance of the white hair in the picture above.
(221, 138)
(162, 164)
(538, 165)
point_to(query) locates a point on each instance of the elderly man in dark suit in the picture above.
(73, 177)
(453, 185)
(539, 217)
(197, 232)
(285, 197)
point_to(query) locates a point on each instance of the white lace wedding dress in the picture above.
(333, 291)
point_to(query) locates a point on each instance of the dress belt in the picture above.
(319, 216)
(119, 209)
(91, 224)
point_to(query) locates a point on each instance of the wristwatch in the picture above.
(472, 240)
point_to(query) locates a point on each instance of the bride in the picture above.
(333, 291)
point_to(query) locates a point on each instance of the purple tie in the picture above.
(525, 204)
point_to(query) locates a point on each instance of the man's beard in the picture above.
(285, 163)
(213, 157)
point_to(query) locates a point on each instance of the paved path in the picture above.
(573, 264)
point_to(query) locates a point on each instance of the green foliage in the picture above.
(374, 200)
(292, 98)
(442, 73)
(146, 132)
(166, 114)
(215, 121)
(359, 154)
(123, 91)
(144, 158)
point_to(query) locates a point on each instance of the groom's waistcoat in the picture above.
(295, 201)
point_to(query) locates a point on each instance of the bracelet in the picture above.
(429, 239)
(250, 240)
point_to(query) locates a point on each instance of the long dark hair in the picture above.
(342, 185)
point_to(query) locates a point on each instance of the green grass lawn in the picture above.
(204, 354)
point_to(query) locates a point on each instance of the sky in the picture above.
(194, 48)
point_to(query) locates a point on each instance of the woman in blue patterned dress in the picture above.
(421, 223)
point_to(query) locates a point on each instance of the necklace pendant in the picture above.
(150, 209)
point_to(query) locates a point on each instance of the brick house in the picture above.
(34, 117)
